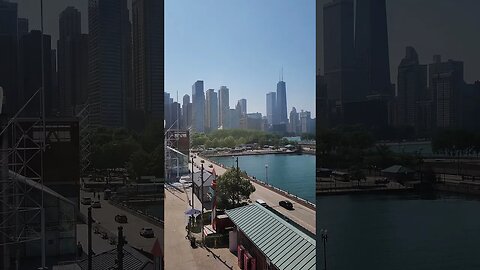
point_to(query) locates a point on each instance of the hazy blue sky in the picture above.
(242, 44)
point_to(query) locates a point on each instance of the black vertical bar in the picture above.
(90, 252)
(120, 248)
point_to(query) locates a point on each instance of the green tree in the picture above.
(233, 188)
(140, 163)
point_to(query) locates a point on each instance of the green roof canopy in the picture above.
(283, 244)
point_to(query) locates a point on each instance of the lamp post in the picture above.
(324, 238)
(266, 173)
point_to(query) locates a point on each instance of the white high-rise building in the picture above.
(223, 107)
(271, 108)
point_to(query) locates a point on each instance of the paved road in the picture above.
(301, 215)
(106, 217)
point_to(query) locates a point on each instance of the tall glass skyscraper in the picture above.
(338, 46)
(371, 47)
(223, 107)
(198, 107)
(148, 56)
(282, 102)
(109, 47)
(211, 110)
(272, 108)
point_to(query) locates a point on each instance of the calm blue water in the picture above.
(292, 173)
(408, 231)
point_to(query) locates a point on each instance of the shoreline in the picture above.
(293, 197)
(251, 153)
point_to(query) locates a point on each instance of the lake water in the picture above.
(408, 231)
(292, 173)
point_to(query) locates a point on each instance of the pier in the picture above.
(303, 213)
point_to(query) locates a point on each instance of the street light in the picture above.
(266, 173)
(324, 238)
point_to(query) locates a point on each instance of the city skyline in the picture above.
(263, 45)
(429, 30)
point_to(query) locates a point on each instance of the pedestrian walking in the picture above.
(79, 249)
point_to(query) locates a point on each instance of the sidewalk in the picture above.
(178, 252)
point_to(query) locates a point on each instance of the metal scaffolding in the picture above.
(85, 139)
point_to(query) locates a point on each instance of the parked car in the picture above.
(86, 201)
(210, 166)
(96, 204)
(286, 204)
(147, 232)
(261, 202)
(202, 161)
(121, 219)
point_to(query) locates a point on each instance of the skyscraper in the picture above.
(271, 108)
(243, 107)
(223, 107)
(9, 55)
(147, 16)
(109, 46)
(72, 62)
(31, 74)
(186, 112)
(22, 27)
(8, 18)
(294, 121)
(446, 86)
(338, 46)
(371, 47)
(167, 109)
(281, 108)
(198, 107)
(411, 88)
(211, 110)
(234, 118)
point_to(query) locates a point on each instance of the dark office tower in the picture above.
(271, 108)
(22, 27)
(147, 22)
(166, 109)
(31, 74)
(9, 55)
(411, 89)
(322, 102)
(72, 62)
(108, 76)
(446, 85)
(223, 108)
(338, 50)
(198, 107)
(211, 110)
(371, 47)
(8, 18)
(186, 112)
(282, 102)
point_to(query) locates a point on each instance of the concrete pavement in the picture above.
(178, 252)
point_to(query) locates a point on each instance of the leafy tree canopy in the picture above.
(232, 188)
